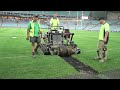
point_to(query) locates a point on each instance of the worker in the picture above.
(103, 40)
(54, 22)
(67, 36)
(33, 32)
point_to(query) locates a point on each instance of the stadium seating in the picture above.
(92, 25)
(60, 13)
(86, 25)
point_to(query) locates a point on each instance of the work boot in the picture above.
(105, 59)
(96, 58)
(36, 52)
(33, 54)
(102, 60)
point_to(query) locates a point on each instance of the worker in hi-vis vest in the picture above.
(33, 32)
(103, 40)
(54, 22)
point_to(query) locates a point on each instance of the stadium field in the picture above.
(16, 60)
(87, 42)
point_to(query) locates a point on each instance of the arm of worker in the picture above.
(51, 22)
(106, 33)
(41, 32)
(28, 31)
(58, 22)
(28, 34)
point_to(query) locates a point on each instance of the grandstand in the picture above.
(74, 21)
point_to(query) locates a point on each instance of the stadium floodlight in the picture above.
(77, 18)
(82, 20)
(77, 21)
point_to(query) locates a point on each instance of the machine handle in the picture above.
(55, 26)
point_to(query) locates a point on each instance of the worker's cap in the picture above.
(36, 16)
(101, 18)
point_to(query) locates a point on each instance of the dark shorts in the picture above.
(35, 39)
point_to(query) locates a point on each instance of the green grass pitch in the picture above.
(16, 60)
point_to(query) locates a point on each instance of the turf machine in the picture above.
(56, 45)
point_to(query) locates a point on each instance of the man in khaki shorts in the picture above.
(103, 41)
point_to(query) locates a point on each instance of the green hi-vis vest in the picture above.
(32, 28)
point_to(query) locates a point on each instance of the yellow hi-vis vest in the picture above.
(53, 23)
(32, 28)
